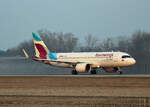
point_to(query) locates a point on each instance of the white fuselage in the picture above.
(95, 59)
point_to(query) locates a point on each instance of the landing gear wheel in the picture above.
(93, 72)
(74, 72)
(120, 72)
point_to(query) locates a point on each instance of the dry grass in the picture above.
(71, 86)
(45, 91)
(72, 101)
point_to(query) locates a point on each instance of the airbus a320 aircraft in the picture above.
(81, 61)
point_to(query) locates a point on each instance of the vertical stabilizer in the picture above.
(41, 50)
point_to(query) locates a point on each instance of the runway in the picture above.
(75, 76)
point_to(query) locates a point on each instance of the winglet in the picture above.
(25, 53)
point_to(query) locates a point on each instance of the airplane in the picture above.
(80, 61)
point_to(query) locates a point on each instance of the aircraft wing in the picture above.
(60, 61)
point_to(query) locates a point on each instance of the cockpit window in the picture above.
(126, 56)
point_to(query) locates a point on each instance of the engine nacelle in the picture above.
(111, 69)
(83, 67)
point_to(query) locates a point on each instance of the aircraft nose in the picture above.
(133, 61)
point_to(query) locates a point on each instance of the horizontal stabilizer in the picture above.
(25, 53)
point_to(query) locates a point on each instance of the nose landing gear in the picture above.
(119, 70)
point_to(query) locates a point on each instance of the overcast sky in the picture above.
(103, 18)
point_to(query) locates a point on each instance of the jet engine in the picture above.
(83, 67)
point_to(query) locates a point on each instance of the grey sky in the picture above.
(104, 18)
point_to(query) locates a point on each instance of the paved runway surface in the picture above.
(75, 76)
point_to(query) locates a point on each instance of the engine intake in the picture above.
(83, 67)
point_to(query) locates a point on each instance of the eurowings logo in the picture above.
(41, 50)
(104, 54)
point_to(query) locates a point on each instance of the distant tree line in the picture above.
(2, 53)
(138, 45)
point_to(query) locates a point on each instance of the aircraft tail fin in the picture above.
(41, 50)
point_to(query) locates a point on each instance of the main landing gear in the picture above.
(74, 72)
(93, 71)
